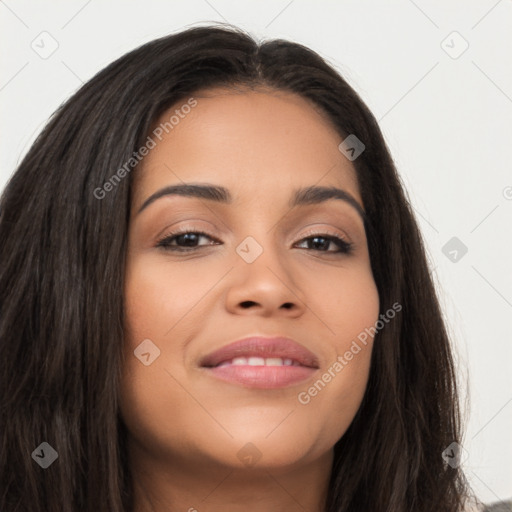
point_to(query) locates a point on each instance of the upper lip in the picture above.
(259, 346)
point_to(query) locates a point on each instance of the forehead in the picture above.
(253, 142)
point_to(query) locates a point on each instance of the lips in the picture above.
(264, 363)
(254, 349)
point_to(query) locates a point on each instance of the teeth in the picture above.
(259, 361)
(256, 361)
(274, 361)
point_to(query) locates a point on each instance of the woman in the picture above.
(296, 357)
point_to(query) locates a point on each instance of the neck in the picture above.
(161, 485)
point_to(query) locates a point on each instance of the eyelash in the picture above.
(344, 247)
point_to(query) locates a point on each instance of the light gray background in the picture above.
(446, 117)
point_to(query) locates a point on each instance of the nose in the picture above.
(266, 286)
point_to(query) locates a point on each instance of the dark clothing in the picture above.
(502, 506)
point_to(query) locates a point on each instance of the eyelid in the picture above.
(328, 233)
(185, 227)
(309, 232)
(319, 230)
(341, 240)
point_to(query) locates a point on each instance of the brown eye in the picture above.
(321, 241)
(183, 240)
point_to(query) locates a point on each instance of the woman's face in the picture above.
(264, 268)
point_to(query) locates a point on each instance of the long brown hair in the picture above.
(62, 253)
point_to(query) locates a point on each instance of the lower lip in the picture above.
(262, 377)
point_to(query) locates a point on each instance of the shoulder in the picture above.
(501, 506)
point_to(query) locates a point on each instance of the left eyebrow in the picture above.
(300, 197)
(317, 195)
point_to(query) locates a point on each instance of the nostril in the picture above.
(247, 303)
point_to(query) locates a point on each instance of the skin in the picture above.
(185, 426)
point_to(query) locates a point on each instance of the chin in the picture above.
(273, 453)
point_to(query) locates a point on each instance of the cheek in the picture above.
(349, 313)
(161, 305)
(160, 300)
(348, 306)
